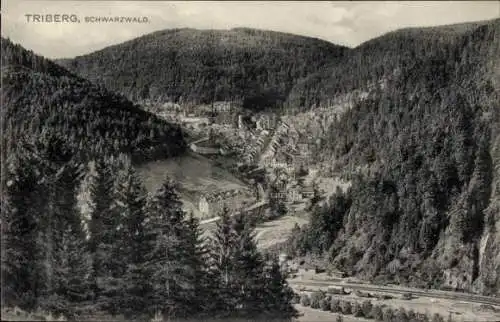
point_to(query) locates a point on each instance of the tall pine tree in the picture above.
(132, 243)
(169, 267)
(278, 295)
(103, 231)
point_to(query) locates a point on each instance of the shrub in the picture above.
(367, 307)
(357, 310)
(339, 318)
(315, 298)
(324, 305)
(305, 300)
(377, 313)
(437, 318)
(335, 305)
(346, 307)
(411, 315)
(422, 317)
(388, 315)
(401, 315)
(295, 298)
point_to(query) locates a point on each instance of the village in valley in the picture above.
(272, 155)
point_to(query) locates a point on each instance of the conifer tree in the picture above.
(197, 258)
(131, 244)
(72, 263)
(239, 270)
(169, 268)
(102, 231)
(74, 270)
(21, 208)
(221, 263)
(278, 295)
(248, 266)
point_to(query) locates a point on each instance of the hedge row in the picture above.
(366, 309)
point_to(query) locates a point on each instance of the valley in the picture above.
(338, 183)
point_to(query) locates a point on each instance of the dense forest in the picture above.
(442, 49)
(135, 255)
(423, 155)
(81, 237)
(255, 67)
(44, 102)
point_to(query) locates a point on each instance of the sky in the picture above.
(346, 23)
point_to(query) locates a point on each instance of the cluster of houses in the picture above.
(253, 150)
(265, 121)
(268, 155)
(293, 193)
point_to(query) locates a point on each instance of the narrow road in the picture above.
(199, 140)
(316, 285)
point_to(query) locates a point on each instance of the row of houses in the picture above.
(268, 155)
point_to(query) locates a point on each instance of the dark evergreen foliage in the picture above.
(41, 99)
(257, 68)
(423, 149)
(246, 285)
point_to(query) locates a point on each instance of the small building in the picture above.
(294, 195)
(307, 192)
(282, 258)
(240, 121)
(203, 206)
(263, 122)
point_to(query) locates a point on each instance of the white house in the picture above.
(203, 206)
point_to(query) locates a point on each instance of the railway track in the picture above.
(434, 293)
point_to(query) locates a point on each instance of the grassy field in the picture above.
(276, 231)
(195, 174)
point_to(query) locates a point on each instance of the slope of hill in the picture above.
(196, 176)
(43, 102)
(253, 66)
(388, 57)
(426, 208)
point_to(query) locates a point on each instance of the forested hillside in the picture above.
(424, 157)
(440, 49)
(130, 254)
(135, 256)
(42, 101)
(256, 67)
